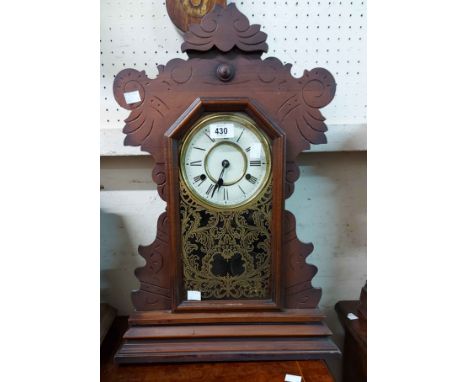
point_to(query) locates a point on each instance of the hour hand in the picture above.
(218, 184)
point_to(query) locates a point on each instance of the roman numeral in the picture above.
(199, 148)
(242, 190)
(226, 194)
(251, 179)
(196, 163)
(255, 163)
(199, 178)
(211, 139)
(240, 135)
(247, 149)
(210, 188)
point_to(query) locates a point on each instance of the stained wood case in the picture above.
(278, 318)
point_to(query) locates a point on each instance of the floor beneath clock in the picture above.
(272, 371)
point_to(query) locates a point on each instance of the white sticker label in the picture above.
(352, 316)
(255, 151)
(132, 97)
(292, 378)
(221, 130)
(194, 295)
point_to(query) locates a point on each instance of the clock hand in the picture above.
(219, 183)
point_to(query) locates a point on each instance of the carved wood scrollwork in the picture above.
(298, 290)
(224, 29)
(154, 276)
(226, 40)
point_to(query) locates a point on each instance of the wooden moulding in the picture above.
(231, 336)
(227, 331)
(226, 349)
(161, 317)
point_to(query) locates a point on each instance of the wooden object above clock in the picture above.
(183, 13)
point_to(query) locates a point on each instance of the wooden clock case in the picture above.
(225, 73)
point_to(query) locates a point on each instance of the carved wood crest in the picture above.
(225, 62)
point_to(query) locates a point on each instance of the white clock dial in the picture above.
(225, 160)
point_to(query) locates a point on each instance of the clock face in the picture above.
(225, 160)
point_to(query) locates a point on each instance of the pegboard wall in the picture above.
(308, 34)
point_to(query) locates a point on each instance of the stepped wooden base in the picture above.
(210, 337)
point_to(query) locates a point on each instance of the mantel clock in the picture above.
(226, 277)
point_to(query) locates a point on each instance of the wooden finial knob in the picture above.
(225, 72)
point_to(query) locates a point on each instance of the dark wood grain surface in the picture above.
(231, 331)
(266, 371)
(164, 317)
(355, 343)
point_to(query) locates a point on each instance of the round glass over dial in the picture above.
(225, 160)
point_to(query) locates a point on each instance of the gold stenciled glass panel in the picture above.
(226, 206)
(226, 255)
